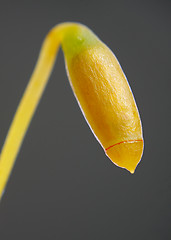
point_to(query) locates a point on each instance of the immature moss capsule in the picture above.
(102, 92)
(104, 95)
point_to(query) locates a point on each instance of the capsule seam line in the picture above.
(139, 140)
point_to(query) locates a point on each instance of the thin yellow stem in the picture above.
(28, 104)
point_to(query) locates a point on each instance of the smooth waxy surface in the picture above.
(126, 154)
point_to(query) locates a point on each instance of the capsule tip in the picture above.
(126, 154)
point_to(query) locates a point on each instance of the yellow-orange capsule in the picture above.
(104, 96)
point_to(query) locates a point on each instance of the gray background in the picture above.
(63, 186)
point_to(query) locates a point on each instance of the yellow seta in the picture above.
(102, 92)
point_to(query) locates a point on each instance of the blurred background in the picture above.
(63, 186)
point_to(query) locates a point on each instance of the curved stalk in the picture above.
(29, 103)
